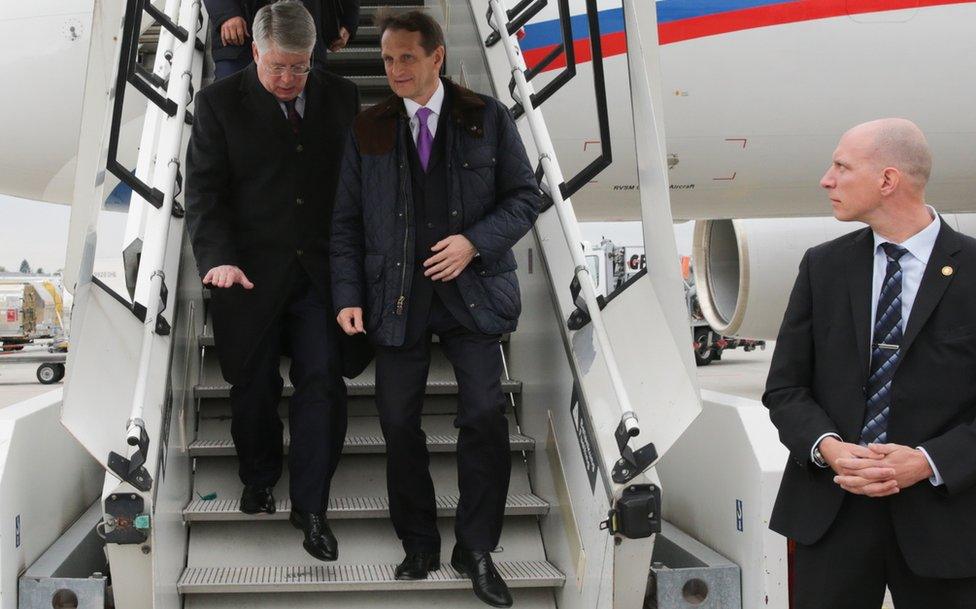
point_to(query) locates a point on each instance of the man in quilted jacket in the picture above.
(435, 189)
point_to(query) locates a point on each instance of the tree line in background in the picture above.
(25, 268)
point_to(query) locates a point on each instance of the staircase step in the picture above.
(206, 339)
(358, 445)
(349, 507)
(338, 578)
(354, 387)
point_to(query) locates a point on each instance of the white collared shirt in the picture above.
(434, 104)
(299, 105)
(912, 264)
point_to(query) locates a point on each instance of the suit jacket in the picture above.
(260, 197)
(328, 15)
(817, 384)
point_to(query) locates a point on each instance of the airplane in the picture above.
(756, 94)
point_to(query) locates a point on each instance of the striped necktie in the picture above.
(885, 350)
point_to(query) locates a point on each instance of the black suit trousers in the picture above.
(849, 567)
(484, 457)
(316, 412)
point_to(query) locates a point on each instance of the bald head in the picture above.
(898, 143)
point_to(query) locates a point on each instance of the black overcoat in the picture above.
(260, 197)
(817, 384)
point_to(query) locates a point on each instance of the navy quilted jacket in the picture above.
(493, 199)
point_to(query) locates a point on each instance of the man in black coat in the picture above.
(872, 390)
(262, 167)
(434, 192)
(336, 22)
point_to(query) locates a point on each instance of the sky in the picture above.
(37, 232)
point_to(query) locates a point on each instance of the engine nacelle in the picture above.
(745, 269)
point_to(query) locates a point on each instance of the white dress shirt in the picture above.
(912, 264)
(434, 105)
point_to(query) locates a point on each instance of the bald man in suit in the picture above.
(873, 391)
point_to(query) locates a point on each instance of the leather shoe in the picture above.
(257, 499)
(417, 565)
(319, 540)
(478, 566)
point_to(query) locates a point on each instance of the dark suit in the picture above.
(484, 457)
(329, 16)
(260, 197)
(817, 384)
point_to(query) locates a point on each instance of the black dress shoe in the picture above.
(257, 499)
(319, 540)
(418, 564)
(488, 584)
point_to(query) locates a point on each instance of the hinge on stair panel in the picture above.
(124, 522)
(581, 316)
(631, 463)
(133, 470)
(637, 514)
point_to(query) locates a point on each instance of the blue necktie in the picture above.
(885, 351)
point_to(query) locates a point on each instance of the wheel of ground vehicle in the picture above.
(47, 374)
(703, 350)
(60, 370)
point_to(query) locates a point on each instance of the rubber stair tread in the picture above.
(325, 577)
(357, 444)
(219, 510)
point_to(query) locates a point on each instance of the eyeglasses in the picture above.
(279, 70)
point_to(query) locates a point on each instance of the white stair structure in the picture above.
(592, 407)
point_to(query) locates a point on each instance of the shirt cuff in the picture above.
(935, 479)
(817, 443)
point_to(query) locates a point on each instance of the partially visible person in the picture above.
(872, 390)
(336, 22)
(435, 191)
(262, 166)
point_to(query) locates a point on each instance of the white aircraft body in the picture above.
(756, 94)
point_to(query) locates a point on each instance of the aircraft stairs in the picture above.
(174, 534)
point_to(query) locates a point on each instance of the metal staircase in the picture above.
(173, 532)
(231, 552)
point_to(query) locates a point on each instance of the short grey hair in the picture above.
(286, 25)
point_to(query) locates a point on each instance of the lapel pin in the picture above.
(947, 270)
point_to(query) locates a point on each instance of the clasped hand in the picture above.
(875, 470)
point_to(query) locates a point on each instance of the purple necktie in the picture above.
(425, 141)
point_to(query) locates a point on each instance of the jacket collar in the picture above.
(376, 130)
(935, 280)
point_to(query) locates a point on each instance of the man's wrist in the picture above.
(816, 455)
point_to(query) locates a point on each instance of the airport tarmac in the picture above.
(18, 382)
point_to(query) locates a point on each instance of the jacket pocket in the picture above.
(375, 267)
(500, 285)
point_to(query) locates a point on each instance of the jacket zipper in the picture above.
(402, 300)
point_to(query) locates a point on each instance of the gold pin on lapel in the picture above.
(947, 270)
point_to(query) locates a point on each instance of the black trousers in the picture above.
(483, 456)
(851, 565)
(317, 410)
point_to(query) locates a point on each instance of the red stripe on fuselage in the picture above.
(613, 44)
(780, 14)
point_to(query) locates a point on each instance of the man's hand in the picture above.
(351, 320)
(859, 469)
(225, 276)
(453, 254)
(909, 464)
(234, 31)
(340, 42)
